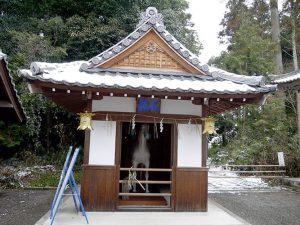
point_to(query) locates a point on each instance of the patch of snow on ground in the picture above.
(45, 168)
(221, 180)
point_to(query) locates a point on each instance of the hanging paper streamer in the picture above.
(85, 120)
(209, 126)
(133, 122)
(189, 124)
(109, 124)
(161, 125)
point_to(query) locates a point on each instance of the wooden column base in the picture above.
(191, 190)
(98, 188)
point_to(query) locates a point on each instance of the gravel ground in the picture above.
(262, 208)
(24, 207)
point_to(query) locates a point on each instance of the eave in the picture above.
(11, 109)
(76, 98)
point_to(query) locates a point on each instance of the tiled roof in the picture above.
(150, 19)
(88, 74)
(13, 88)
(69, 74)
(286, 78)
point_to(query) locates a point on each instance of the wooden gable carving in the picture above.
(151, 56)
(151, 52)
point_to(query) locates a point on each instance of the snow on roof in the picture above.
(244, 79)
(87, 73)
(70, 74)
(15, 93)
(150, 19)
(286, 78)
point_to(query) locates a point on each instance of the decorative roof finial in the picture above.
(152, 15)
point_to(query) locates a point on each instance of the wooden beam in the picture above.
(5, 104)
(168, 118)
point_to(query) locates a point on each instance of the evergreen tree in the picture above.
(254, 135)
(65, 30)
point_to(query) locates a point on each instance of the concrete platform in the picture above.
(216, 215)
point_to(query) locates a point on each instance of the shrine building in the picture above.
(148, 82)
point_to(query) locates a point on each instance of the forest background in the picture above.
(66, 30)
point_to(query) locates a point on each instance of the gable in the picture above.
(150, 56)
(150, 52)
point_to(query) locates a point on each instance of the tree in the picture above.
(278, 67)
(250, 53)
(254, 134)
(232, 18)
(290, 17)
(64, 30)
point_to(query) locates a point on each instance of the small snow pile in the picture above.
(45, 168)
(21, 174)
(14, 175)
(222, 180)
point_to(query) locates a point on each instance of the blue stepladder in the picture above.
(67, 178)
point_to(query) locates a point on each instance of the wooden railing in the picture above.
(167, 182)
(245, 171)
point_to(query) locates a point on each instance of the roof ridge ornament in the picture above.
(152, 15)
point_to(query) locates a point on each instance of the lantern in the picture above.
(209, 126)
(85, 120)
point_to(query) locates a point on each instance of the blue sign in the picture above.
(148, 105)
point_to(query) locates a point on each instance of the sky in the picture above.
(207, 16)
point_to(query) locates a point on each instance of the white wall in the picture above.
(128, 104)
(189, 145)
(180, 107)
(114, 104)
(102, 143)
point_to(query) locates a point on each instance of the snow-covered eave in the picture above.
(209, 86)
(286, 78)
(242, 79)
(21, 112)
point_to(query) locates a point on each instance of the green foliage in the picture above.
(30, 47)
(65, 30)
(290, 19)
(90, 36)
(50, 179)
(10, 135)
(258, 136)
(254, 135)
(185, 34)
(250, 52)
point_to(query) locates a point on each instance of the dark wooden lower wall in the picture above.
(99, 188)
(191, 190)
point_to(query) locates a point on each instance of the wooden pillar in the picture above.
(204, 148)
(87, 132)
(86, 146)
(205, 112)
